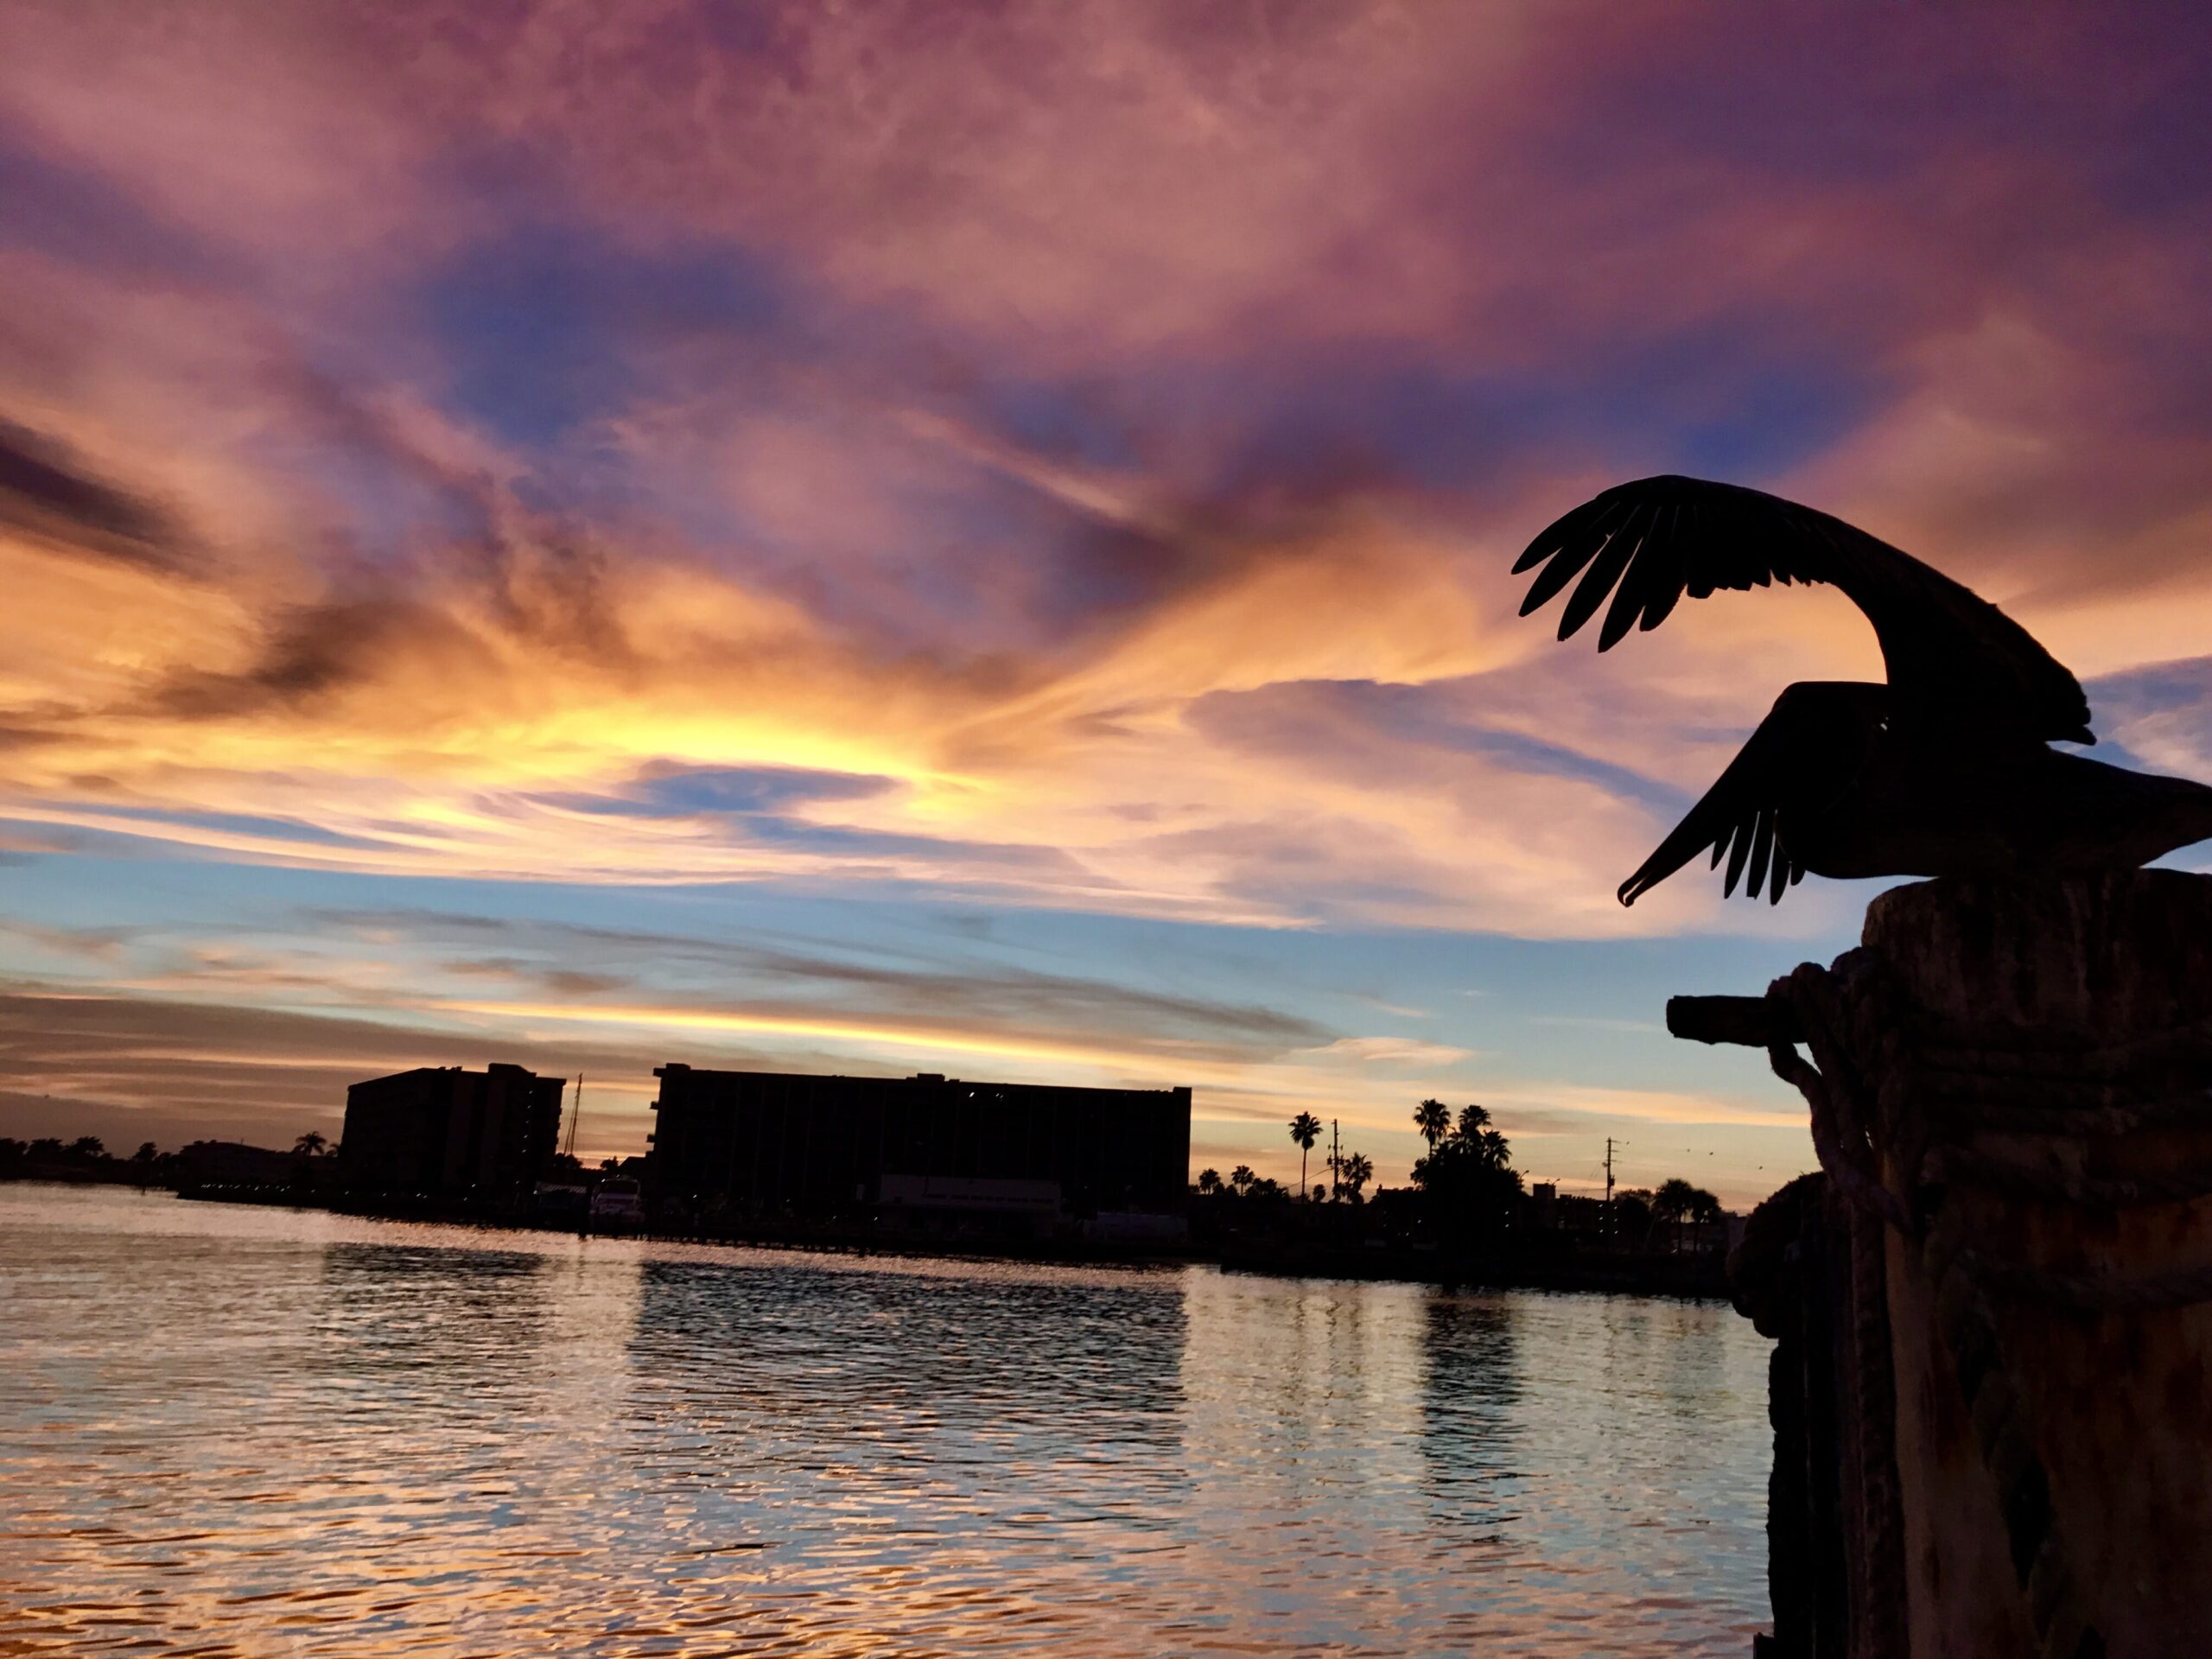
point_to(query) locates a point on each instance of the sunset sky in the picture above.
(977, 539)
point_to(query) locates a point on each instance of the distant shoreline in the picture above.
(1674, 1277)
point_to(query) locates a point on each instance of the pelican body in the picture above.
(1946, 769)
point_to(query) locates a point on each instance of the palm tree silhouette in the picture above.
(1306, 1129)
(1209, 1180)
(1434, 1119)
(1355, 1170)
(1674, 1199)
(1242, 1177)
(1704, 1207)
(1473, 1120)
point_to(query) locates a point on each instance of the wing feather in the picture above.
(1746, 833)
(1611, 562)
(1806, 750)
(1955, 660)
(1762, 850)
(1670, 573)
(1566, 560)
(1594, 518)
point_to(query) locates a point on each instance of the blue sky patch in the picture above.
(541, 326)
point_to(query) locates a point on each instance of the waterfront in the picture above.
(265, 1432)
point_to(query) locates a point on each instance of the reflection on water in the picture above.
(254, 1432)
(1471, 1409)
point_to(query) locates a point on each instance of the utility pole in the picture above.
(1336, 1162)
(1609, 1174)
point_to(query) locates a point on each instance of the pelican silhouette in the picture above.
(1946, 770)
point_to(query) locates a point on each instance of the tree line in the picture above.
(87, 1158)
(1468, 1162)
(1465, 1183)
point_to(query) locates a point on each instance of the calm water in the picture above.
(257, 1432)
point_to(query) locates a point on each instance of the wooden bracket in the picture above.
(1748, 1022)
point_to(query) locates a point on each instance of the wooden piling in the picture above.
(2011, 1091)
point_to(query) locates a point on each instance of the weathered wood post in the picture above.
(1994, 1416)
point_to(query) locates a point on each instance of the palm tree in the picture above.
(1674, 1199)
(310, 1145)
(1242, 1177)
(1704, 1207)
(1209, 1180)
(1306, 1129)
(1434, 1119)
(1473, 1120)
(1354, 1171)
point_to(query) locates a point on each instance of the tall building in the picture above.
(766, 1143)
(440, 1131)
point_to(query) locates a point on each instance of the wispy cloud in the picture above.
(169, 1071)
(1391, 1051)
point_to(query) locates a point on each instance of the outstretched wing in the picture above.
(1806, 752)
(1954, 658)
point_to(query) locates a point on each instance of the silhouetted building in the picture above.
(443, 1132)
(923, 1149)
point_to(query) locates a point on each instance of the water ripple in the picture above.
(262, 1433)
